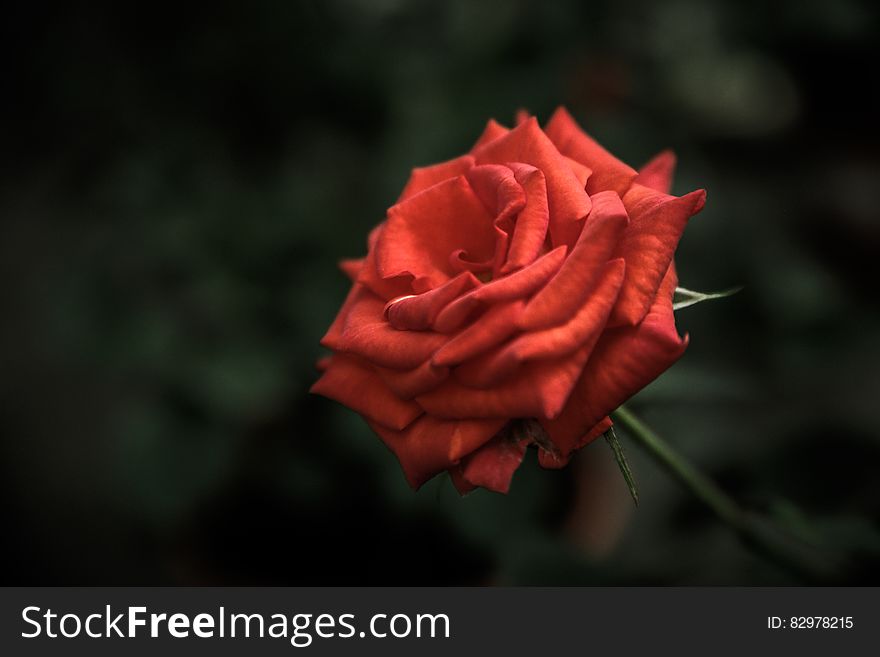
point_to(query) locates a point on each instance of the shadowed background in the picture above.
(177, 187)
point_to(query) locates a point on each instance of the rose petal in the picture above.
(538, 389)
(560, 298)
(354, 384)
(518, 285)
(657, 221)
(581, 172)
(521, 116)
(517, 195)
(365, 333)
(558, 460)
(408, 384)
(492, 465)
(430, 445)
(530, 230)
(497, 188)
(422, 178)
(504, 197)
(386, 288)
(352, 267)
(422, 231)
(462, 485)
(333, 337)
(607, 171)
(623, 362)
(417, 312)
(657, 174)
(584, 326)
(491, 132)
(580, 332)
(496, 326)
(568, 201)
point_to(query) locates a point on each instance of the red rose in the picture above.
(528, 282)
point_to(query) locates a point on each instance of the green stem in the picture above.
(755, 531)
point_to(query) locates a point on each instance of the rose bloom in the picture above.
(514, 295)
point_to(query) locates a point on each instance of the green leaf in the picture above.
(622, 463)
(684, 297)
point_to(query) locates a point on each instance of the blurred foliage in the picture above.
(178, 185)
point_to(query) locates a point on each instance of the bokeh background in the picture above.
(178, 184)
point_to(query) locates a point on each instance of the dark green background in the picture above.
(178, 183)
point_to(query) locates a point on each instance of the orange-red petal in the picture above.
(657, 173)
(530, 230)
(492, 465)
(365, 333)
(408, 384)
(572, 141)
(537, 389)
(333, 337)
(351, 267)
(565, 293)
(430, 445)
(623, 362)
(657, 222)
(568, 201)
(417, 312)
(422, 178)
(580, 332)
(582, 328)
(422, 231)
(491, 132)
(560, 460)
(496, 326)
(386, 288)
(354, 383)
(517, 285)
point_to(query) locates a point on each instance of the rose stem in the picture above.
(755, 531)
